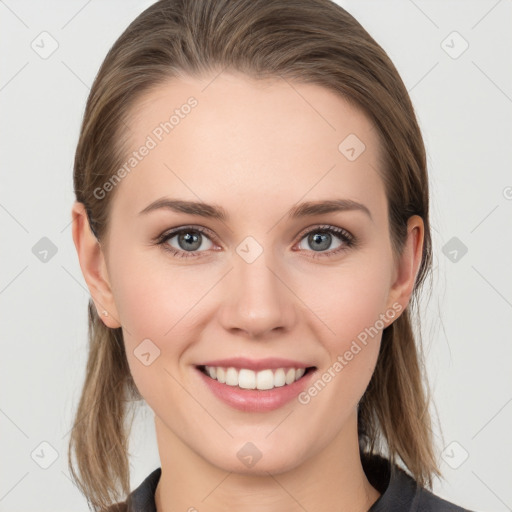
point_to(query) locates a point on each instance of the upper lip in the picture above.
(256, 364)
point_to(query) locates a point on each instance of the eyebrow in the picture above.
(214, 211)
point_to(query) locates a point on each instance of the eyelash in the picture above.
(348, 240)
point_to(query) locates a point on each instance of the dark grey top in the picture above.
(399, 491)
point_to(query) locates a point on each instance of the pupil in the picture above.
(319, 239)
(190, 241)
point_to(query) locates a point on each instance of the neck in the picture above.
(332, 479)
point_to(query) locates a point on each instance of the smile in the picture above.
(249, 379)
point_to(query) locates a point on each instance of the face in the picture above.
(268, 288)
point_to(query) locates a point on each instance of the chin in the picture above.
(258, 458)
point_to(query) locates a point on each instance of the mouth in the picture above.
(261, 380)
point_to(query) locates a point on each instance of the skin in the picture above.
(256, 148)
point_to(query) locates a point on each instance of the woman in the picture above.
(252, 221)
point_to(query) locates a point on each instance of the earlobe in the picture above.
(408, 264)
(93, 266)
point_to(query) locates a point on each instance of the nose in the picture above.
(258, 303)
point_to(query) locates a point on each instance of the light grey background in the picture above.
(464, 105)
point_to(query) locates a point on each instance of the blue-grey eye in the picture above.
(189, 240)
(320, 240)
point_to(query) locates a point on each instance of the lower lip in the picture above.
(254, 400)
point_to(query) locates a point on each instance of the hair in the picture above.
(306, 41)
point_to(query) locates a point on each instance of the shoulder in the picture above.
(420, 498)
(399, 491)
(429, 502)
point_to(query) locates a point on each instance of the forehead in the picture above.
(235, 140)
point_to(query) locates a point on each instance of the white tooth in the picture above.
(279, 378)
(221, 374)
(265, 379)
(246, 379)
(290, 376)
(231, 377)
(299, 373)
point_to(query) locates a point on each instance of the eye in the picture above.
(321, 237)
(188, 239)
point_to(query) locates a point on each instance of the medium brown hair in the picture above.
(306, 41)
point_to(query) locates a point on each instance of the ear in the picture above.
(93, 265)
(408, 264)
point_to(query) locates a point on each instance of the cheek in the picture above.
(156, 309)
(161, 303)
(350, 301)
(350, 298)
(153, 299)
